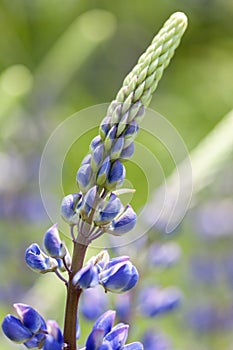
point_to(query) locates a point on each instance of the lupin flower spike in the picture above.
(119, 128)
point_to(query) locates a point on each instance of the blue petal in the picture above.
(69, 208)
(15, 330)
(132, 281)
(117, 337)
(97, 155)
(134, 346)
(117, 173)
(104, 127)
(117, 148)
(83, 177)
(34, 258)
(115, 279)
(127, 152)
(86, 159)
(95, 142)
(131, 130)
(111, 210)
(95, 339)
(52, 344)
(36, 341)
(55, 331)
(117, 260)
(125, 222)
(103, 172)
(52, 242)
(29, 317)
(88, 201)
(105, 321)
(87, 277)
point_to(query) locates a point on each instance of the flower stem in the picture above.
(73, 296)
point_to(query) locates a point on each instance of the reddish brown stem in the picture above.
(73, 296)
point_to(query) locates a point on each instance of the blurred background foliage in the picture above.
(58, 57)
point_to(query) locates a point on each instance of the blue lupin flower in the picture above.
(87, 277)
(30, 328)
(124, 223)
(106, 337)
(120, 275)
(69, 208)
(38, 261)
(53, 244)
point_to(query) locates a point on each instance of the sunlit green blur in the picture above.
(58, 57)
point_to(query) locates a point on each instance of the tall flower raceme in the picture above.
(96, 210)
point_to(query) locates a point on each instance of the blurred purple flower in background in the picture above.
(153, 301)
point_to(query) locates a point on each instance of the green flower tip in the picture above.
(180, 17)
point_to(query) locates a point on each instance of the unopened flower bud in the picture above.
(111, 136)
(127, 152)
(97, 156)
(95, 143)
(116, 175)
(124, 223)
(109, 210)
(104, 127)
(103, 172)
(53, 244)
(88, 202)
(69, 208)
(84, 177)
